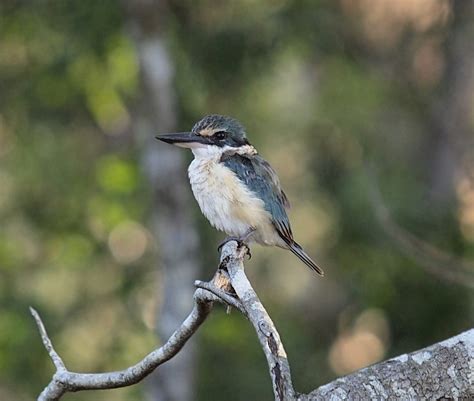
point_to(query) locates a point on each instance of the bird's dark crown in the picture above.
(221, 130)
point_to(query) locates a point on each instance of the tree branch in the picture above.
(442, 370)
(58, 362)
(223, 296)
(66, 381)
(433, 260)
(279, 368)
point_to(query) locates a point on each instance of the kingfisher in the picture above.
(237, 190)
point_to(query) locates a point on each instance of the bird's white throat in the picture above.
(213, 152)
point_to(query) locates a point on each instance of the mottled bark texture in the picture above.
(171, 220)
(442, 371)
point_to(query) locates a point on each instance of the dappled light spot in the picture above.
(97, 228)
(116, 175)
(128, 242)
(104, 84)
(375, 321)
(92, 330)
(352, 352)
(289, 277)
(122, 64)
(362, 345)
(144, 300)
(57, 288)
(109, 110)
(70, 250)
(19, 244)
(105, 214)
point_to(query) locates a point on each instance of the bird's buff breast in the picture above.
(224, 200)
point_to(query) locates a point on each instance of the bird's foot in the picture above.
(237, 239)
(240, 243)
(248, 253)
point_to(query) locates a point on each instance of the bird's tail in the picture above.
(298, 251)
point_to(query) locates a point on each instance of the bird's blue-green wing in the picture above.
(257, 174)
(261, 179)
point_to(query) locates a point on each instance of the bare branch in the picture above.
(58, 362)
(65, 381)
(222, 295)
(220, 288)
(232, 259)
(443, 370)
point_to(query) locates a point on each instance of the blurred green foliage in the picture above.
(322, 89)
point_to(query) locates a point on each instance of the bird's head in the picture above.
(212, 134)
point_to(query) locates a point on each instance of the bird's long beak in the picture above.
(183, 139)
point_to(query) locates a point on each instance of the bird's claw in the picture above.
(247, 252)
(240, 244)
(221, 245)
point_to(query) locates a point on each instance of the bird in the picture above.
(237, 190)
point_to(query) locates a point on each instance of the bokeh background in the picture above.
(364, 108)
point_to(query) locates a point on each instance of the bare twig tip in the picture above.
(38, 320)
(33, 311)
(58, 362)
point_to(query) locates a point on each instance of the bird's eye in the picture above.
(220, 135)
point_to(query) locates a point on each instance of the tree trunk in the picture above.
(170, 218)
(451, 114)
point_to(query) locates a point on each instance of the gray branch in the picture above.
(223, 296)
(58, 362)
(65, 381)
(279, 368)
(442, 371)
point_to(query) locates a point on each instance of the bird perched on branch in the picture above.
(236, 189)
